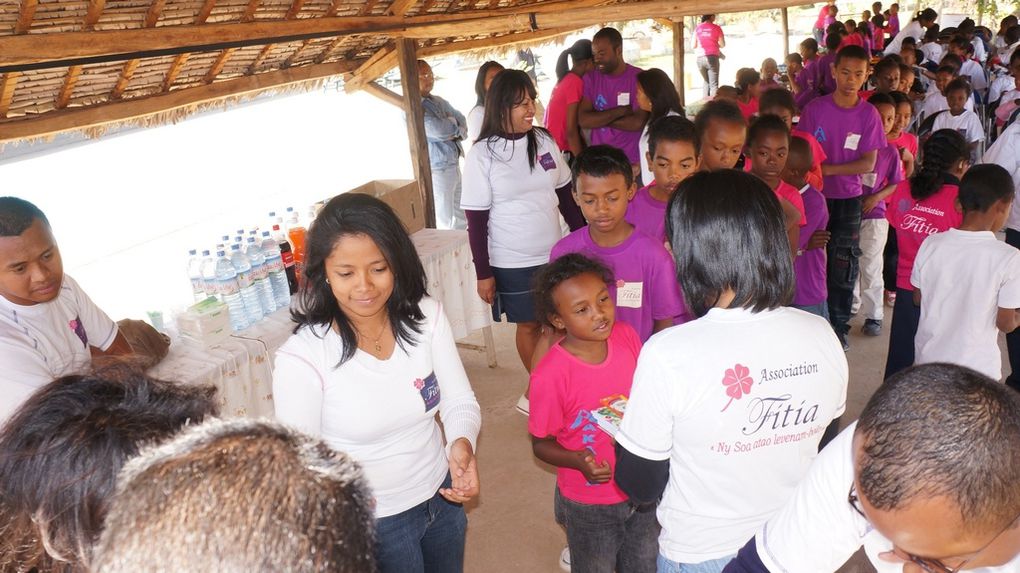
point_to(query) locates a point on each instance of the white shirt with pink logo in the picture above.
(737, 402)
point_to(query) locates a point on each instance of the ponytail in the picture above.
(943, 149)
(562, 67)
(581, 50)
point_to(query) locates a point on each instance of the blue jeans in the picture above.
(619, 537)
(713, 566)
(428, 538)
(446, 194)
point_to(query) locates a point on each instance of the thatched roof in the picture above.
(86, 64)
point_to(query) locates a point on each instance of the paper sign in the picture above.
(623, 98)
(852, 141)
(869, 179)
(629, 294)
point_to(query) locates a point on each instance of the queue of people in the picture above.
(707, 282)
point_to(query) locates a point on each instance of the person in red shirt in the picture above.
(561, 113)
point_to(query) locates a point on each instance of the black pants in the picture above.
(1013, 338)
(901, 334)
(844, 252)
(891, 257)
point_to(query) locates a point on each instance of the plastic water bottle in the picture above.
(208, 269)
(287, 254)
(195, 275)
(230, 292)
(244, 281)
(260, 276)
(277, 272)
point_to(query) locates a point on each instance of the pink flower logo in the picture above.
(738, 382)
(620, 283)
(419, 383)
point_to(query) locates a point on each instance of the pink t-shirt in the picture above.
(792, 194)
(914, 221)
(708, 34)
(748, 109)
(822, 15)
(568, 91)
(845, 134)
(645, 288)
(647, 214)
(814, 176)
(564, 391)
(906, 141)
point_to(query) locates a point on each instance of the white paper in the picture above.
(868, 179)
(852, 141)
(623, 98)
(629, 294)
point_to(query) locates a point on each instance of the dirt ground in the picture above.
(511, 526)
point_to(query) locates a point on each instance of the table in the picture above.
(241, 368)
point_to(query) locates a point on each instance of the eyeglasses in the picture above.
(928, 565)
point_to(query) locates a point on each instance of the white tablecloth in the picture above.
(241, 368)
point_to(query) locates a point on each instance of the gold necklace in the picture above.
(377, 340)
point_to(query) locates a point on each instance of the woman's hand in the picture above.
(487, 289)
(463, 471)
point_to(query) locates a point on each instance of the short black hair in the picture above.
(947, 69)
(799, 147)
(556, 272)
(728, 231)
(17, 215)
(951, 60)
(777, 97)
(720, 109)
(810, 44)
(983, 186)
(852, 52)
(707, 17)
(602, 161)
(795, 57)
(887, 63)
(959, 84)
(483, 71)
(879, 98)
(360, 214)
(899, 97)
(942, 430)
(611, 34)
(833, 39)
(962, 43)
(1011, 36)
(767, 123)
(746, 77)
(672, 128)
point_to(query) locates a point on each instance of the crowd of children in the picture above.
(858, 156)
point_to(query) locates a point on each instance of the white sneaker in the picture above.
(523, 405)
(565, 559)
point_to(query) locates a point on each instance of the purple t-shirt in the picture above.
(604, 92)
(888, 171)
(647, 214)
(645, 288)
(845, 134)
(807, 82)
(825, 83)
(809, 268)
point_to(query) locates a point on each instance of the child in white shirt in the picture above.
(967, 282)
(960, 119)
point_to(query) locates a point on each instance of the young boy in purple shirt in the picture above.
(809, 266)
(672, 157)
(609, 106)
(644, 285)
(850, 132)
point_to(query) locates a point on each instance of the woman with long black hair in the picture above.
(486, 73)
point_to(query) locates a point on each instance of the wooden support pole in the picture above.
(385, 94)
(407, 60)
(786, 31)
(678, 60)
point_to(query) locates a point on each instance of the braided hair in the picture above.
(943, 149)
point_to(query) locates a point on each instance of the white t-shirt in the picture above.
(935, 102)
(524, 222)
(932, 51)
(973, 70)
(914, 29)
(818, 530)
(1006, 152)
(964, 277)
(474, 123)
(737, 402)
(646, 174)
(45, 341)
(381, 412)
(968, 124)
(1003, 86)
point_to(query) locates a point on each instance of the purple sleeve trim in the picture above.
(478, 237)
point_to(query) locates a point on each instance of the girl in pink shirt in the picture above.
(591, 367)
(561, 113)
(921, 206)
(748, 89)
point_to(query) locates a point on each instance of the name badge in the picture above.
(869, 179)
(547, 162)
(623, 98)
(852, 141)
(429, 390)
(628, 294)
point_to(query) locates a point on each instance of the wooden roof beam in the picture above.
(67, 89)
(96, 8)
(217, 66)
(385, 94)
(153, 13)
(174, 71)
(205, 12)
(401, 7)
(382, 61)
(249, 11)
(295, 9)
(73, 119)
(367, 8)
(126, 73)
(293, 57)
(259, 59)
(25, 16)
(330, 48)
(7, 87)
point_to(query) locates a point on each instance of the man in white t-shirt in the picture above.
(928, 480)
(48, 326)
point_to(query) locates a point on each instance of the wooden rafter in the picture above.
(401, 7)
(7, 86)
(382, 61)
(217, 66)
(293, 57)
(334, 7)
(330, 48)
(368, 7)
(126, 73)
(72, 119)
(249, 11)
(385, 94)
(174, 71)
(96, 8)
(205, 11)
(259, 58)
(154, 12)
(67, 89)
(25, 16)
(295, 8)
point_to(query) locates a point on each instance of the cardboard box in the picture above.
(402, 196)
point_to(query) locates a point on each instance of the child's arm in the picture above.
(908, 162)
(871, 201)
(864, 164)
(551, 452)
(792, 216)
(1007, 319)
